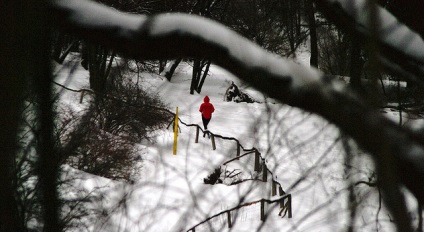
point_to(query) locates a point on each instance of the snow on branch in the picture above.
(400, 45)
(180, 35)
(390, 30)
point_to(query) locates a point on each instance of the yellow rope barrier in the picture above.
(175, 132)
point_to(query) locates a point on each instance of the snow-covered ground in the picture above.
(170, 195)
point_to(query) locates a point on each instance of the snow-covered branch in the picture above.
(402, 48)
(179, 35)
(390, 31)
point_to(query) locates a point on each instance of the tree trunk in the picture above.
(420, 217)
(109, 66)
(171, 71)
(205, 73)
(63, 56)
(298, 21)
(292, 18)
(24, 65)
(58, 45)
(12, 79)
(84, 55)
(99, 68)
(162, 65)
(313, 33)
(355, 65)
(195, 76)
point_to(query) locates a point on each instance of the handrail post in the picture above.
(82, 95)
(229, 219)
(238, 148)
(281, 193)
(262, 210)
(256, 169)
(213, 141)
(197, 135)
(274, 188)
(264, 173)
(290, 206)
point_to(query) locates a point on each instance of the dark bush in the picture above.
(213, 178)
(103, 154)
(104, 142)
(130, 111)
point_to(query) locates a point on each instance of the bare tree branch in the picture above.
(402, 48)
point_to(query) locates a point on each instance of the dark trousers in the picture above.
(205, 122)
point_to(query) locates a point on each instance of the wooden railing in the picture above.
(284, 201)
(286, 209)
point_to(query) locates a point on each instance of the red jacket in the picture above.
(206, 108)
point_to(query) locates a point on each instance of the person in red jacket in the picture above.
(206, 108)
